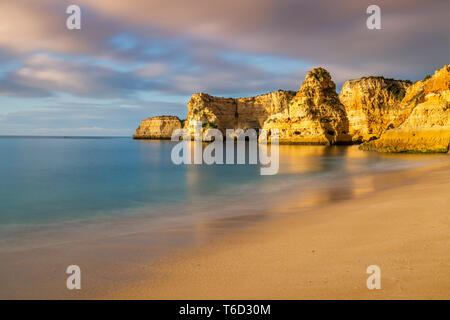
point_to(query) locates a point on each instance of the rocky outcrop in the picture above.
(229, 113)
(372, 105)
(387, 115)
(424, 124)
(158, 127)
(314, 116)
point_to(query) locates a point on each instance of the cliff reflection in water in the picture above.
(110, 198)
(312, 175)
(128, 184)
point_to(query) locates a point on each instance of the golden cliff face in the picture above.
(425, 124)
(389, 115)
(314, 116)
(157, 127)
(372, 105)
(241, 113)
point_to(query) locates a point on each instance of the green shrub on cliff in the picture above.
(397, 91)
(208, 125)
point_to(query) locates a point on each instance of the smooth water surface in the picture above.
(51, 180)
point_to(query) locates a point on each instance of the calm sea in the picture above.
(50, 182)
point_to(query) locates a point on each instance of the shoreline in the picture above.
(127, 256)
(322, 253)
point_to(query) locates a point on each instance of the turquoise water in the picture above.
(46, 180)
(49, 179)
(115, 205)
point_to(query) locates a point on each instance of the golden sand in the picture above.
(324, 253)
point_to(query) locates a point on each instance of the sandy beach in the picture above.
(309, 234)
(323, 253)
(224, 150)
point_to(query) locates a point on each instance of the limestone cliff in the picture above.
(158, 127)
(425, 122)
(314, 116)
(372, 105)
(389, 115)
(229, 113)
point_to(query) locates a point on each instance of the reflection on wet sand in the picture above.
(352, 180)
(309, 177)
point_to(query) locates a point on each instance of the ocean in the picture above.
(52, 181)
(112, 204)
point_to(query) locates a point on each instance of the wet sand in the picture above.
(323, 253)
(311, 236)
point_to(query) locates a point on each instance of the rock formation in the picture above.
(372, 105)
(314, 116)
(158, 127)
(229, 113)
(387, 115)
(425, 120)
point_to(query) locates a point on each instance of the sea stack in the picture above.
(314, 116)
(160, 127)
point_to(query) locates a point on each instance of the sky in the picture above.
(140, 58)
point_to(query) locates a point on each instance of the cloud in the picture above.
(40, 25)
(8, 88)
(78, 118)
(43, 73)
(413, 38)
(325, 32)
(152, 70)
(140, 58)
(159, 36)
